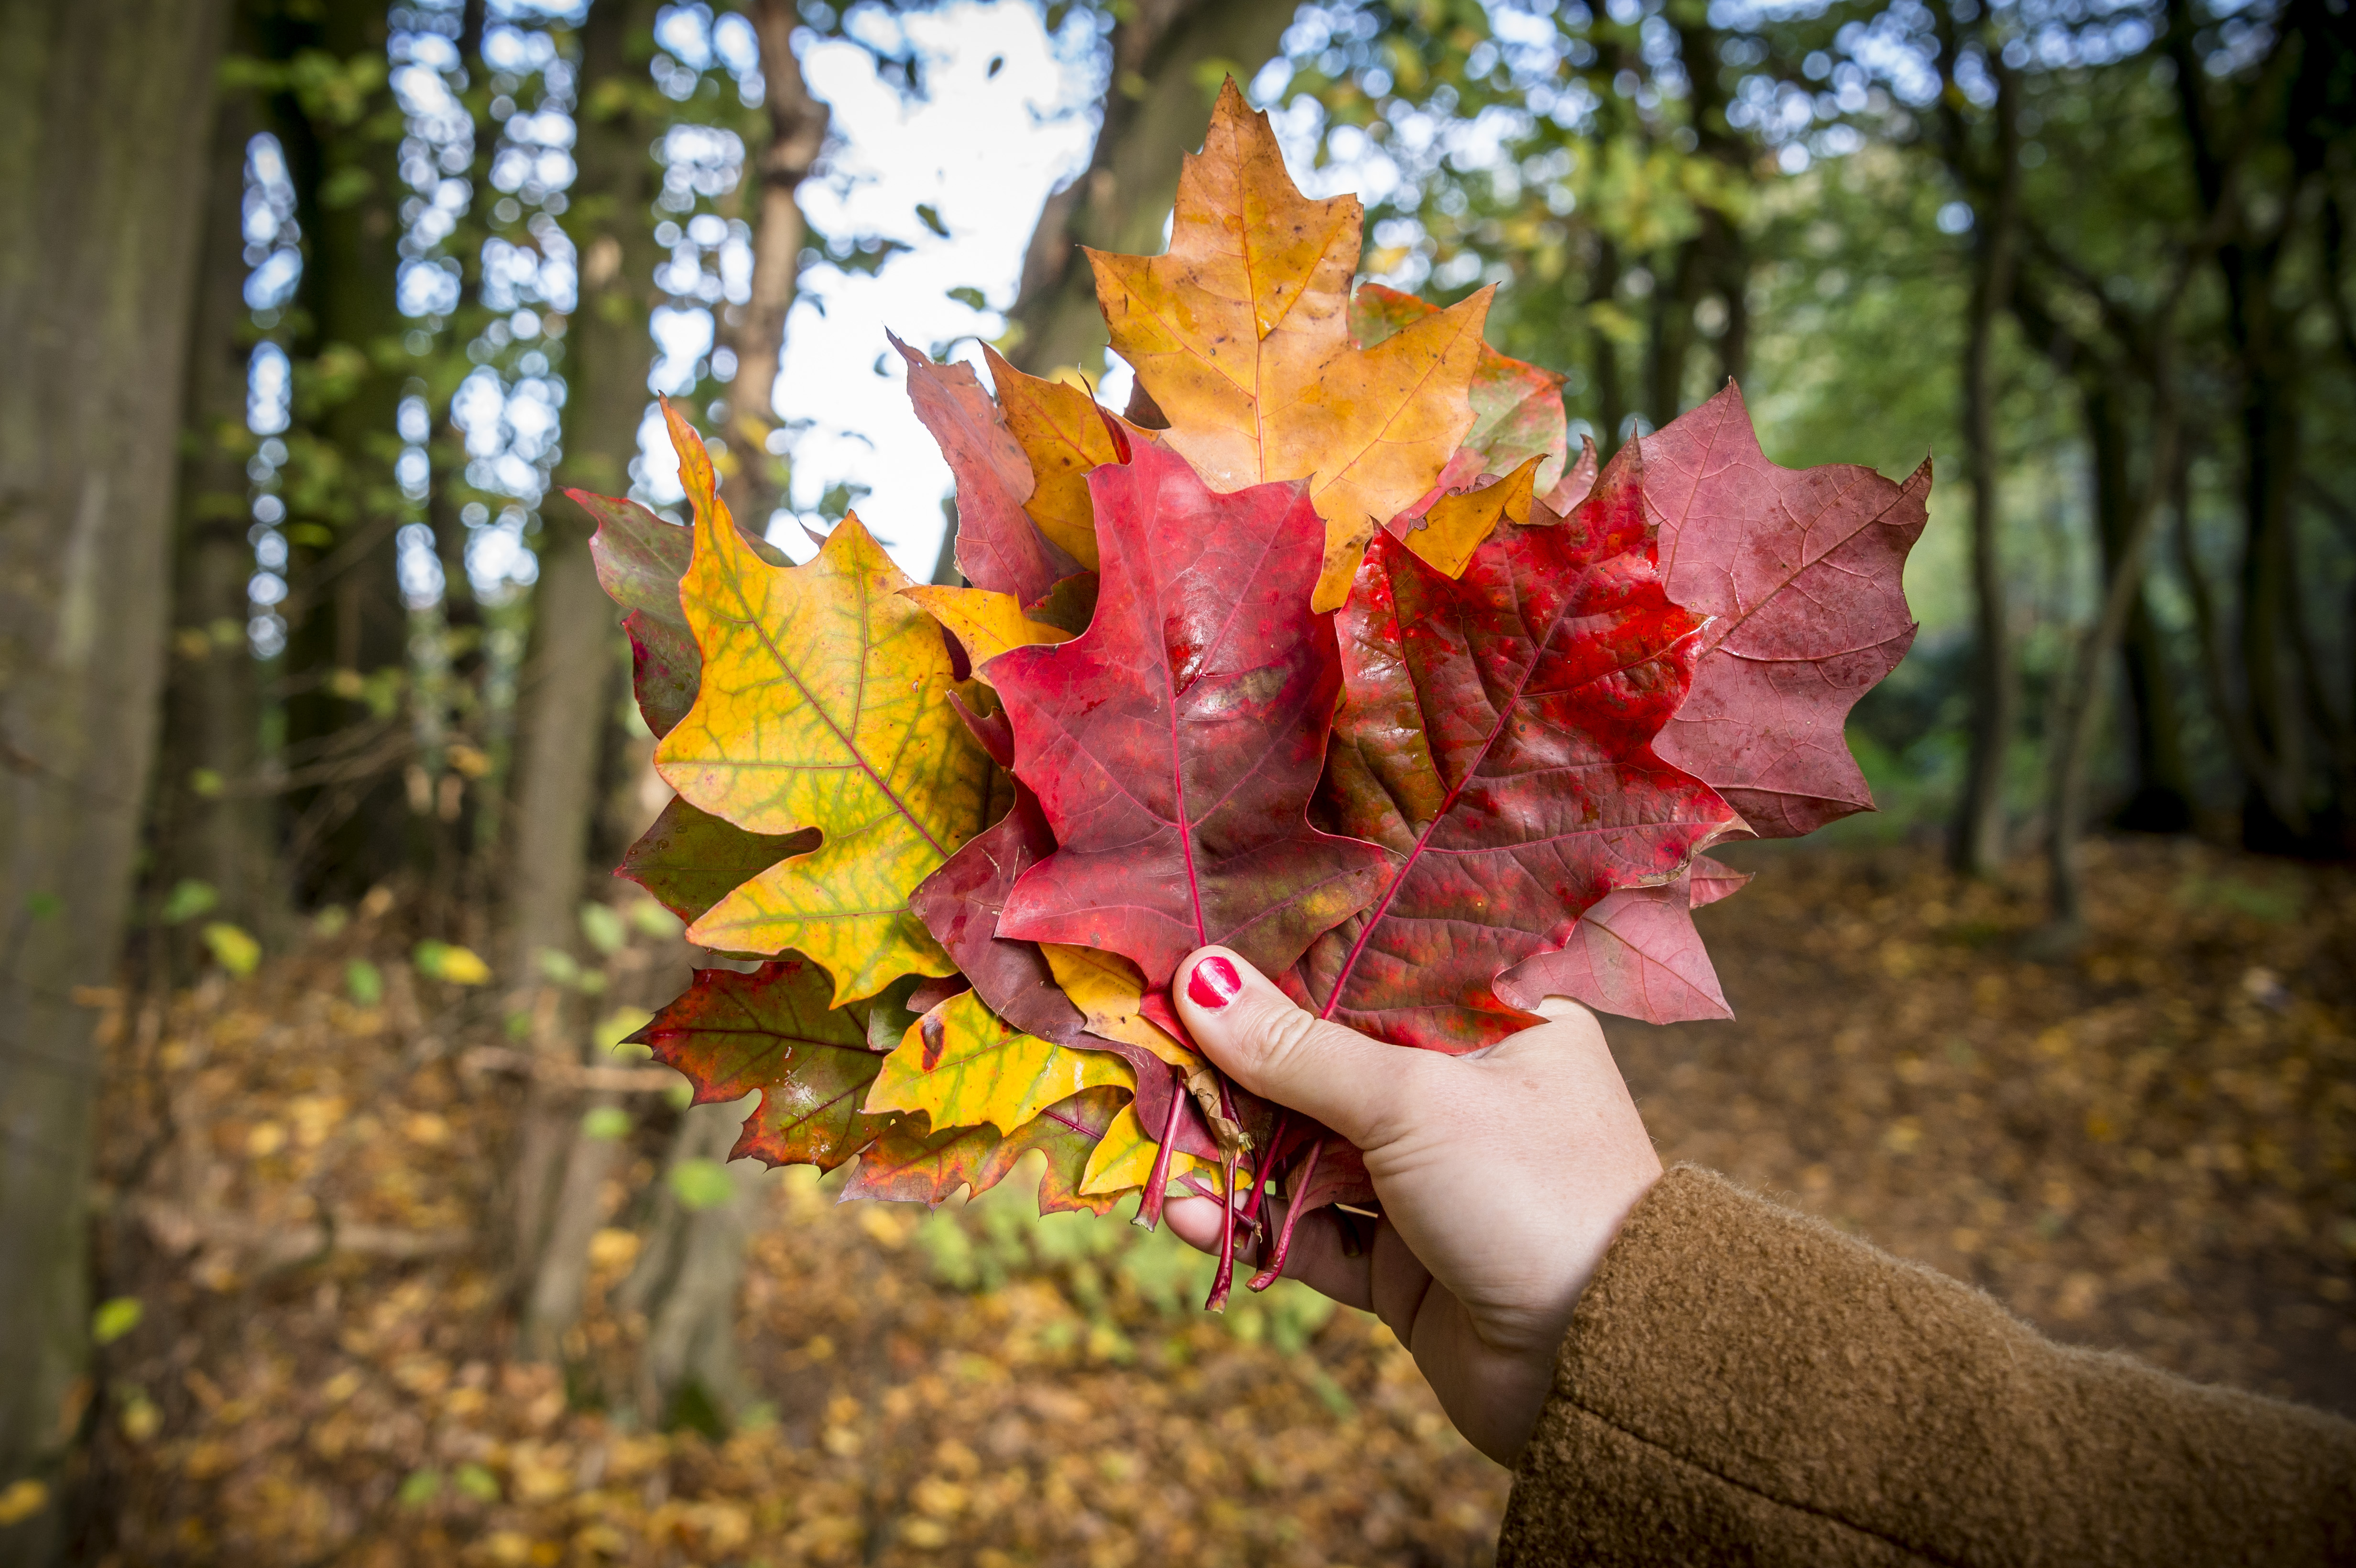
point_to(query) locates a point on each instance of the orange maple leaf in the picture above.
(1241, 334)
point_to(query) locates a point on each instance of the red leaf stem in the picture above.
(1274, 1271)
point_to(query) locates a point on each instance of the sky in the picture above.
(1007, 114)
(984, 150)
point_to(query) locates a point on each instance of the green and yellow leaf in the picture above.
(962, 1065)
(823, 704)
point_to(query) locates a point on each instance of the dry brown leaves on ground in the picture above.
(2147, 1144)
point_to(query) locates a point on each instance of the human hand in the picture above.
(1504, 1177)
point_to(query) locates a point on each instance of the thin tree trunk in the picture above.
(1155, 107)
(1979, 828)
(1611, 396)
(343, 610)
(2162, 798)
(2083, 704)
(756, 331)
(687, 1277)
(106, 109)
(573, 674)
(209, 822)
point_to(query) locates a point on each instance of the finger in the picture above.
(1316, 1259)
(1355, 1085)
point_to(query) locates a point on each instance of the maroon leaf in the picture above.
(1494, 737)
(1801, 570)
(732, 1032)
(690, 859)
(666, 668)
(997, 546)
(1176, 743)
(911, 1165)
(960, 905)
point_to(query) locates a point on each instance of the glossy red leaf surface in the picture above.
(771, 1029)
(1495, 738)
(1175, 745)
(911, 1165)
(690, 860)
(1802, 573)
(997, 546)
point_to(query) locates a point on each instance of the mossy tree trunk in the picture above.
(105, 114)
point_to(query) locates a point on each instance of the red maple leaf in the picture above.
(1801, 571)
(1636, 953)
(960, 905)
(997, 546)
(1175, 745)
(1495, 738)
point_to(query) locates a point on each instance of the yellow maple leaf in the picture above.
(1062, 434)
(1107, 988)
(962, 1065)
(1446, 536)
(987, 624)
(823, 704)
(1124, 1158)
(1240, 332)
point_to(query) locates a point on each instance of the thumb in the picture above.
(1253, 1032)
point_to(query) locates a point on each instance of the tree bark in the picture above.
(2162, 798)
(1978, 842)
(574, 669)
(1156, 108)
(797, 130)
(343, 611)
(105, 115)
(2081, 707)
(209, 820)
(2266, 360)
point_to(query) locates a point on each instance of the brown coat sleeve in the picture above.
(1745, 1384)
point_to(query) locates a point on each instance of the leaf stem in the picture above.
(1149, 1207)
(1225, 1280)
(1275, 1269)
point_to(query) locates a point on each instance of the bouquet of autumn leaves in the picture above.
(1324, 650)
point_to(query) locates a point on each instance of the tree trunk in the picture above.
(105, 115)
(209, 820)
(1979, 828)
(572, 672)
(2081, 709)
(344, 613)
(796, 134)
(1611, 394)
(2162, 798)
(687, 1278)
(1156, 108)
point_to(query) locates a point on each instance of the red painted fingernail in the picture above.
(1214, 983)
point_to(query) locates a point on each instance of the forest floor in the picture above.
(2146, 1145)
